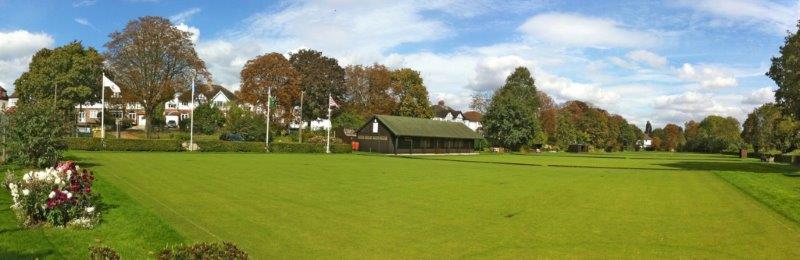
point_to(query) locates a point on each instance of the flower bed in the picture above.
(60, 197)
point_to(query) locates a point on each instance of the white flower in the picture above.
(69, 195)
(27, 177)
(26, 192)
(89, 209)
(52, 194)
(57, 180)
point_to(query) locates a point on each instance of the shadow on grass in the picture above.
(43, 254)
(753, 167)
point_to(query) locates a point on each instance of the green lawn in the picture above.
(370, 206)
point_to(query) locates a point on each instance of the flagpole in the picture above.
(269, 104)
(191, 121)
(300, 136)
(328, 140)
(103, 111)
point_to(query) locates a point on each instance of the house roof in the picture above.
(473, 116)
(423, 127)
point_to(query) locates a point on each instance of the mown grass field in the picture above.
(369, 206)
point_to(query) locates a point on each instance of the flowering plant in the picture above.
(59, 196)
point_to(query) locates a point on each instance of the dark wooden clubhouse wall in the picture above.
(384, 141)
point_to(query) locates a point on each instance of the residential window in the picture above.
(131, 115)
(82, 115)
(218, 103)
(93, 114)
(172, 105)
(184, 116)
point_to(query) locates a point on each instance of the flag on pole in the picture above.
(111, 85)
(332, 103)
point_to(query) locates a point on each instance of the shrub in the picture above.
(225, 250)
(307, 148)
(103, 253)
(34, 134)
(60, 196)
(95, 144)
(225, 146)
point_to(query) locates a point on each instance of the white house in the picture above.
(471, 119)
(3, 98)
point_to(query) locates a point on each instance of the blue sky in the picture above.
(663, 61)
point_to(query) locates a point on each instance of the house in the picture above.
(409, 135)
(12, 100)
(3, 98)
(471, 119)
(645, 143)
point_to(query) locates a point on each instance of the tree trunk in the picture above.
(149, 125)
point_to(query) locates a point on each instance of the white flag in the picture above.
(110, 84)
(332, 103)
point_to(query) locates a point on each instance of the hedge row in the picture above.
(95, 144)
(307, 148)
(227, 146)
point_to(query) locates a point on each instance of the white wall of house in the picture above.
(458, 117)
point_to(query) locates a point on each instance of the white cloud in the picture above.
(190, 29)
(649, 58)
(491, 72)
(777, 17)
(760, 96)
(16, 49)
(707, 76)
(582, 31)
(565, 89)
(85, 22)
(353, 32)
(83, 3)
(184, 16)
(693, 105)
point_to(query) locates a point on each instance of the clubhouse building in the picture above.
(409, 135)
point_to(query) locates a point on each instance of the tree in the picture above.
(320, 76)
(766, 129)
(673, 137)
(34, 134)
(270, 71)
(692, 135)
(411, 94)
(480, 102)
(348, 120)
(659, 134)
(245, 123)
(648, 128)
(786, 75)
(512, 117)
(70, 75)
(548, 116)
(719, 134)
(151, 61)
(441, 108)
(207, 119)
(368, 90)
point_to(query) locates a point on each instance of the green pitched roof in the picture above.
(412, 126)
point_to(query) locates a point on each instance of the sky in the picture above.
(658, 61)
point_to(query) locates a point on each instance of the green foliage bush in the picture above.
(204, 250)
(34, 133)
(226, 146)
(307, 148)
(95, 144)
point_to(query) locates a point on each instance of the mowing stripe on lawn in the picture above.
(164, 205)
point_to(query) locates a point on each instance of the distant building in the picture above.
(471, 119)
(409, 135)
(3, 98)
(645, 143)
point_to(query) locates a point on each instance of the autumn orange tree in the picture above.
(368, 90)
(673, 137)
(411, 93)
(151, 61)
(274, 71)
